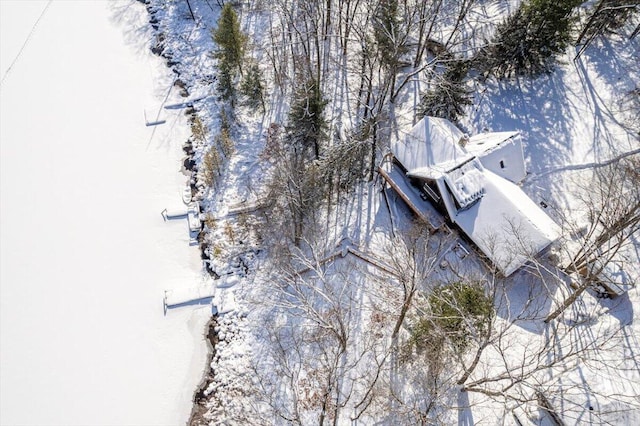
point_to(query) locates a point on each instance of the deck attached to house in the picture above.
(394, 176)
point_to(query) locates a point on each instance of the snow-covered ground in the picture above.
(85, 253)
(568, 124)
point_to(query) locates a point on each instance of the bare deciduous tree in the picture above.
(323, 342)
(611, 202)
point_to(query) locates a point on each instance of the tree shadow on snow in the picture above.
(132, 19)
(620, 308)
(524, 300)
(609, 135)
(538, 109)
(615, 60)
(465, 415)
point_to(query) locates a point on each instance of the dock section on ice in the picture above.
(188, 296)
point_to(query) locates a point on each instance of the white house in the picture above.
(500, 152)
(472, 182)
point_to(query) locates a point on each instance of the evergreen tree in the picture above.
(231, 44)
(387, 27)
(225, 83)
(307, 125)
(252, 87)
(449, 96)
(456, 313)
(528, 42)
(390, 33)
(229, 38)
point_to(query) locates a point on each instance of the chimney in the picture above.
(463, 140)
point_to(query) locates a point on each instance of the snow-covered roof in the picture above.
(486, 142)
(506, 224)
(430, 142)
(493, 212)
(466, 183)
(435, 171)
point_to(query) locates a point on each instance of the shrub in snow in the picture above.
(456, 313)
(225, 143)
(198, 130)
(211, 167)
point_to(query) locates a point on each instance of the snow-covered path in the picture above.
(85, 254)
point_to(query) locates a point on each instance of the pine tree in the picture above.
(529, 41)
(229, 38)
(456, 313)
(226, 83)
(252, 87)
(307, 125)
(230, 54)
(449, 96)
(387, 32)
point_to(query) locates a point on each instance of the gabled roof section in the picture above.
(467, 183)
(432, 141)
(506, 224)
(483, 143)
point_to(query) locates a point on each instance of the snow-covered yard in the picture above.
(85, 253)
(569, 122)
(330, 330)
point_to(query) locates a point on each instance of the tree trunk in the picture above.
(374, 142)
(568, 302)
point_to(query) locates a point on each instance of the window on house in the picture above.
(431, 189)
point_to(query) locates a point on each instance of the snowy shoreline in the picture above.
(198, 411)
(196, 416)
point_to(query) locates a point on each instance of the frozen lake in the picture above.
(85, 253)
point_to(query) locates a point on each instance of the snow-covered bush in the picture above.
(456, 312)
